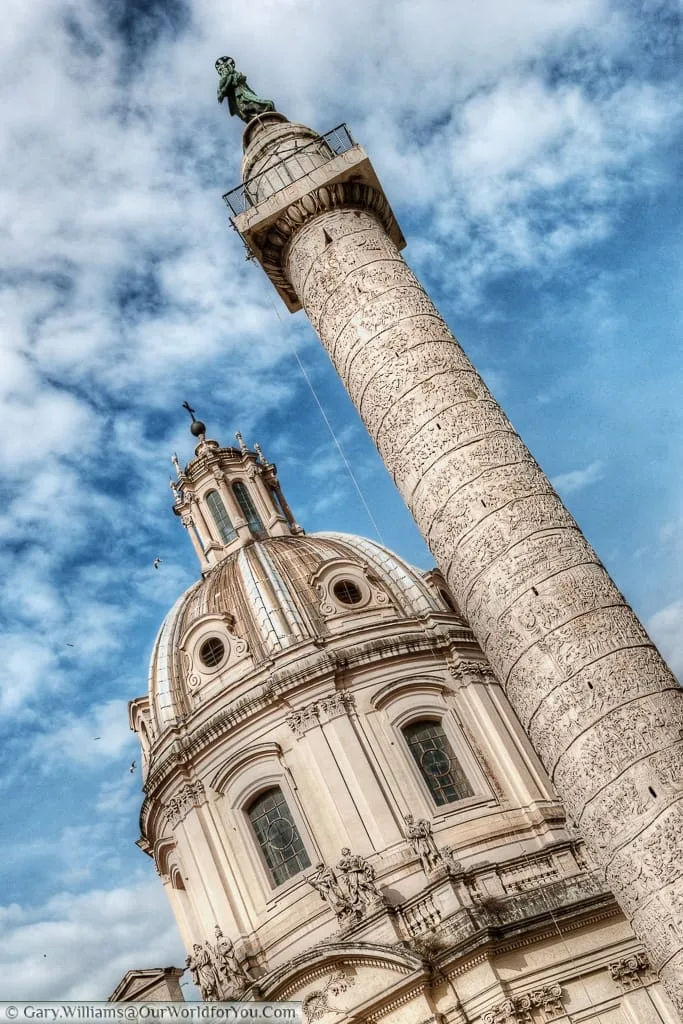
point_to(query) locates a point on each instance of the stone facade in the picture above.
(348, 812)
(592, 693)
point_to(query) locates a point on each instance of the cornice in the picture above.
(188, 742)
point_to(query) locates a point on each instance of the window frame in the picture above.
(438, 721)
(481, 789)
(412, 698)
(247, 809)
(247, 773)
(221, 538)
(257, 531)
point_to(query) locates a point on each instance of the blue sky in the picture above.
(531, 152)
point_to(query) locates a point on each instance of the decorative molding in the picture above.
(518, 1009)
(631, 971)
(317, 1003)
(190, 796)
(265, 752)
(339, 703)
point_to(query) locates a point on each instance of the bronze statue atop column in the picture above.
(233, 87)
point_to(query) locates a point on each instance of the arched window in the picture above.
(437, 762)
(278, 836)
(220, 517)
(248, 509)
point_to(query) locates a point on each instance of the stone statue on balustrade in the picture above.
(351, 890)
(233, 87)
(204, 972)
(331, 891)
(229, 967)
(419, 835)
(359, 877)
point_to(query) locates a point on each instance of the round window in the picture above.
(347, 592)
(212, 652)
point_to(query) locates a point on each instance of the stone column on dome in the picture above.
(206, 527)
(211, 899)
(487, 714)
(188, 522)
(368, 798)
(600, 706)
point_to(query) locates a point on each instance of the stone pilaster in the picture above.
(600, 706)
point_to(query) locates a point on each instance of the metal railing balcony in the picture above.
(292, 167)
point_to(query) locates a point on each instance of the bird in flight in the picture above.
(70, 645)
(132, 767)
(157, 562)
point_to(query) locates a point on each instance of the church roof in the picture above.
(268, 598)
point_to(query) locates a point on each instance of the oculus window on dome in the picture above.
(226, 530)
(248, 508)
(212, 652)
(347, 592)
(278, 836)
(437, 762)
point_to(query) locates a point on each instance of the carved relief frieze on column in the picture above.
(191, 795)
(631, 971)
(320, 711)
(578, 668)
(575, 663)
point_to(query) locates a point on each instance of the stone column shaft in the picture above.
(599, 705)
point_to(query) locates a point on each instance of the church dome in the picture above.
(265, 602)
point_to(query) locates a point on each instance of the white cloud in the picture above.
(577, 479)
(79, 945)
(666, 629)
(507, 136)
(100, 734)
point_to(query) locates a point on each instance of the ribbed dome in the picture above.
(271, 596)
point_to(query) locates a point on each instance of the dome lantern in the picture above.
(227, 498)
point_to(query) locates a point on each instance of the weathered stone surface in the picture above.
(550, 620)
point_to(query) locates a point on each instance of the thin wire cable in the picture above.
(512, 835)
(334, 437)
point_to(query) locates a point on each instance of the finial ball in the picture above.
(197, 428)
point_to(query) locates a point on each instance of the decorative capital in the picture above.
(353, 195)
(468, 671)
(339, 703)
(518, 1009)
(190, 796)
(631, 971)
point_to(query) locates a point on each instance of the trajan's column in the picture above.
(600, 706)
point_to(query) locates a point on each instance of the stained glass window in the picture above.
(220, 517)
(277, 835)
(248, 509)
(437, 762)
